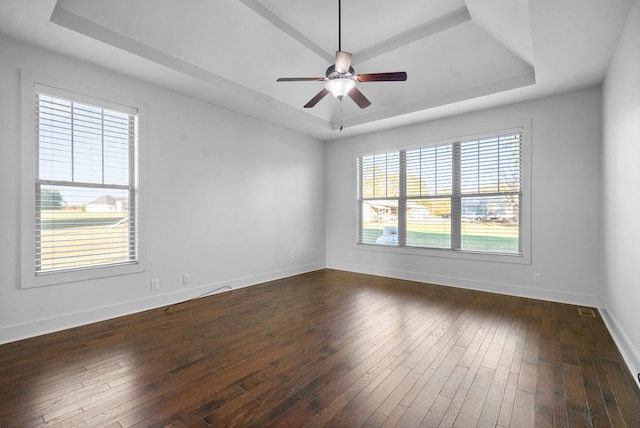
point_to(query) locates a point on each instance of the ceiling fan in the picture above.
(341, 78)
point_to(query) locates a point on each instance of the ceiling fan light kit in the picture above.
(341, 77)
(340, 86)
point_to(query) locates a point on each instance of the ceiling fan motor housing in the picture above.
(333, 74)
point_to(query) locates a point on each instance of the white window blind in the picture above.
(86, 184)
(490, 190)
(463, 196)
(379, 176)
(429, 191)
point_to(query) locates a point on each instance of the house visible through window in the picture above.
(464, 195)
(86, 185)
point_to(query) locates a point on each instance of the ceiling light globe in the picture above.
(340, 87)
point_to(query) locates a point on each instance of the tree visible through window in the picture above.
(86, 193)
(465, 195)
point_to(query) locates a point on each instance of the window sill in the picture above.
(524, 259)
(54, 278)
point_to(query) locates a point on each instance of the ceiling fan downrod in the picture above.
(339, 25)
(341, 78)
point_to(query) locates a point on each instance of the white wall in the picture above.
(228, 199)
(565, 248)
(621, 100)
(201, 159)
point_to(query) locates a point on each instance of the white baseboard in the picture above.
(472, 284)
(48, 325)
(629, 353)
(39, 327)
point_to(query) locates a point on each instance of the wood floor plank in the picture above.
(436, 412)
(393, 399)
(544, 395)
(476, 397)
(423, 401)
(494, 399)
(394, 417)
(367, 407)
(559, 400)
(627, 403)
(506, 408)
(454, 409)
(577, 407)
(326, 348)
(613, 411)
(523, 410)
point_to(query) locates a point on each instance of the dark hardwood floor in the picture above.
(327, 348)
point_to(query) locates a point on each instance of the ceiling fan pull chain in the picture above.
(339, 26)
(341, 78)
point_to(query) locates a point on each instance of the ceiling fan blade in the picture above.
(301, 79)
(313, 101)
(382, 77)
(343, 61)
(359, 98)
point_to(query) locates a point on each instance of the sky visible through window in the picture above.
(79, 143)
(85, 190)
(462, 195)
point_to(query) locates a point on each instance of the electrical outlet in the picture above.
(155, 284)
(537, 277)
(186, 278)
(291, 259)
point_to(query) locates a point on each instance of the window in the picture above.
(463, 195)
(85, 183)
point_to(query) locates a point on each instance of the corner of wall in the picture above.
(629, 353)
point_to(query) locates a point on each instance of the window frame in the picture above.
(30, 84)
(523, 126)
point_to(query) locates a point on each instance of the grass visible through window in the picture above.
(476, 236)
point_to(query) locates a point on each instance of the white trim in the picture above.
(83, 98)
(29, 81)
(629, 353)
(517, 290)
(445, 253)
(70, 320)
(525, 258)
(512, 127)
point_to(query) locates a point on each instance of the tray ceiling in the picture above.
(459, 55)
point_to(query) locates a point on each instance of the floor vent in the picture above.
(586, 312)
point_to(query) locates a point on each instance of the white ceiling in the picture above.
(460, 55)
